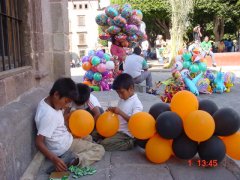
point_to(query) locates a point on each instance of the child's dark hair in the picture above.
(83, 93)
(65, 87)
(123, 81)
(137, 50)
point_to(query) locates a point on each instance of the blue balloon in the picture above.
(191, 84)
(89, 75)
(91, 53)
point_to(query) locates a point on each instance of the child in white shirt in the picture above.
(128, 105)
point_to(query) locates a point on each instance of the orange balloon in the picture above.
(86, 66)
(232, 144)
(87, 83)
(81, 123)
(183, 103)
(107, 124)
(180, 51)
(142, 125)
(204, 60)
(158, 150)
(199, 126)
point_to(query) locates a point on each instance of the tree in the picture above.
(180, 12)
(218, 16)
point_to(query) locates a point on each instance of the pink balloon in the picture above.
(101, 67)
(104, 85)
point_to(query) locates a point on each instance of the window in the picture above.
(82, 53)
(10, 56)
(82, 38)
(74, 6)
(86, 6)
(80, 6)
(81, 20)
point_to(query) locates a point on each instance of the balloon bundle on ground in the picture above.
(99, 67)
(124, 24)
(191, 71)
(187, 127)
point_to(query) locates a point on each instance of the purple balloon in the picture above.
(100, 53)
(85, 59)
(104, 85)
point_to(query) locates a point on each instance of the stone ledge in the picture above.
(33, 168)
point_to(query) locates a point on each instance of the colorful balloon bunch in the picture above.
(99, 67)
(124, 24)
(187, 127)
(197, 79)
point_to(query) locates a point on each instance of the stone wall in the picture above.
(44, 49)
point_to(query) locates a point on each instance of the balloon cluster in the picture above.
(123, 24)
(187, 127)
(99, 67)
(191, 70)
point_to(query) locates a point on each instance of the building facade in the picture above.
(82, 26)
(34, 51)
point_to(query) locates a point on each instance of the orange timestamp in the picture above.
(203, 163)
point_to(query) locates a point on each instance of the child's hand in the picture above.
(115, 110)
(59, 164)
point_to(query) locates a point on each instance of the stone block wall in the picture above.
(44, 49)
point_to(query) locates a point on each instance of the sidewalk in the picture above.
(133, 165)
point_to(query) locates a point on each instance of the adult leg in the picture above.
(145, 75)
(213, 58)
(118, 142)
(87, 152)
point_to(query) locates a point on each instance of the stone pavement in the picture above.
(134, 165)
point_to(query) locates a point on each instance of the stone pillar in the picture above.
(60, 33)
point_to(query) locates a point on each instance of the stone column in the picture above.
(60, 33)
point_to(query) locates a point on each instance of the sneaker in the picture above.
(214, 65)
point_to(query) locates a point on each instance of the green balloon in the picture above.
(95, 88)
(106, 57)
(202, 66)
(186, 64)
(97, 76)
(194, 68)
(187, 56)
(95, 60)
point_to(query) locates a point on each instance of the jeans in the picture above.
(145, 75)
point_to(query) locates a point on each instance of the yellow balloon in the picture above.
(142, 125)
(107, 124)
(232, 144)
(81, 123)
(199, 125)
(183, 103)
(158, 150)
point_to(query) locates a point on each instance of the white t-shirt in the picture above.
(130, 106)
(133, 65)
(91, 103)
(50, 124)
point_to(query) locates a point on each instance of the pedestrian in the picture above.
(160, 43)
(136, 66)
(197, 33)
(207, 50)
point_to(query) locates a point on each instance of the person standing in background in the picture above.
(197, 33)
(160, 43)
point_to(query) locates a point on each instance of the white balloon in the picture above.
(110, 65)
(178, 58)
(185, 73)
(143, 27)
(178, 65)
